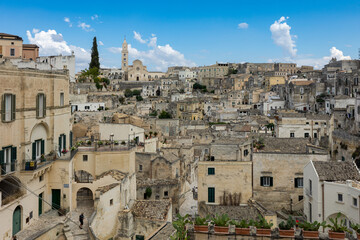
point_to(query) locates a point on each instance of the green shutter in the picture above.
(13, 158)
(211, 171)
(261, 181)
(71, 139)
(59, 143)
(211, 194)
(2, 166)
(295, 183)
(44, 105)
(42, 147)
(64, 137)
(33, 150)
(271, 181)
(13, 107)
(3, 107)
(1, 156)
(37, 105)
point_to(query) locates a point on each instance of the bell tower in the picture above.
(124, 56)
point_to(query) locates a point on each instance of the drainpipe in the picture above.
(323, 203)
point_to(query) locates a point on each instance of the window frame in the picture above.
(340, 197)
(40, 110)
(212, 200)
(8, 115)
(211, 171)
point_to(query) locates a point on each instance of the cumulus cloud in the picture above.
(85, 27)
(158, 56)
(101, 43)
(281, 36)
(138, 37)
(52, 43)
(66, 19)
(243, 25)
(94, 17)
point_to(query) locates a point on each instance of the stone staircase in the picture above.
(72, 230)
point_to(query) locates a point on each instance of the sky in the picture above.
(191, 33)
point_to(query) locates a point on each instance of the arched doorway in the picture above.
(17, 220)
(83, 176)
(84, 198)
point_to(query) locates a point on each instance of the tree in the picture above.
(94, 63)
(164, 115)
(139, 98)
(148, 192)
(136, 92)
(128, 93)
(121, 100)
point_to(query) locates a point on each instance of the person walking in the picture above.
(81, 219)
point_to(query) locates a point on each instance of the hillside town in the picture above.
(223, 151)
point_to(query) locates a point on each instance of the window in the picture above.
(292, 135)
(310, 187)
(306, 135)
(139, 237)
(266, 181)
(62, 142)
(41, 178)
(211, 171)
(12, 52)
(300, 197)
(307, 123)
(31, 215)
(87, 107)
(40, 105)
(111, 202)
(340, 197)
(211, 194)
(310, 212)
(61, 99)
(166, 193)
(315, 135)
(85, 158)
(212, 158)
(299, 182)
(38, 149)
(355, 202)
(140, 168)
(8, 108)
(316, 123)
(246, 152)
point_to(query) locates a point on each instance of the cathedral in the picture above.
(137, 71)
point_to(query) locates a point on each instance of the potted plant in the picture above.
(311, 230)
(263, 228)
(64, 151)
(146, 136)
(286, 229)
(221, 223)
(88, 142)
(337, 228)
(242, 227)
(116, 142)
(155, 134)
(100, 143)
(356, 228)
(123, 143)
(201, 224)
(42, 158)
(73, 148)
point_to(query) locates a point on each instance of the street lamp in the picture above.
(112, 140)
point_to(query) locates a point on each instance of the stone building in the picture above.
(278, 171)
(288, 68)
(35, 118)
(330, 188)
(301, 95)
(11, 46)
(137, 71)
(213, 71)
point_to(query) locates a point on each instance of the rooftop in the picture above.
(104, 189)
(116, 174)
(155, 182)
(336, 171)
(284, 145)
(151, 209)
(9, 36)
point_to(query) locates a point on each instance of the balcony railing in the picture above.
(8, 168)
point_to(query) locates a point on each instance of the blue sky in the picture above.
(189, 32)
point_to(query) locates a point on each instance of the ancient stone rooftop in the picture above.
(106, 188)
(284, 145)
(155, 182)
(116, 174)
(151, 209)
(336, 171)
(164, 233)
(306, 115)
(231, 141)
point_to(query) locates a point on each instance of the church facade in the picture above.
(137, 71)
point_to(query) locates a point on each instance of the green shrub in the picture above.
(221, 220)
(308, 226)
(262, 223)
(200, 221)
(336, 225)
(289, 224)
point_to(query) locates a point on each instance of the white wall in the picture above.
(316, 197)
(83, 106)
(122, 132)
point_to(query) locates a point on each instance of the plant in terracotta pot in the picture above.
(286, 229)
(201, 224)
(356, 228)
(337, 228)
(221, 223)
(263, 228)
(311, 230)
(242, 227)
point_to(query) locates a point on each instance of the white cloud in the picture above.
(280, 32)
(95, 17)
(53, 43)
(101, 43)
(138, 37)
(243, 25)
(66, 19)
(85, 27)
(159, 57)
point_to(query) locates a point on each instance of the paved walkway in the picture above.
(72, 229)
(39, 226)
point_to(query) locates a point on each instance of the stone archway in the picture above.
(84, 198)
